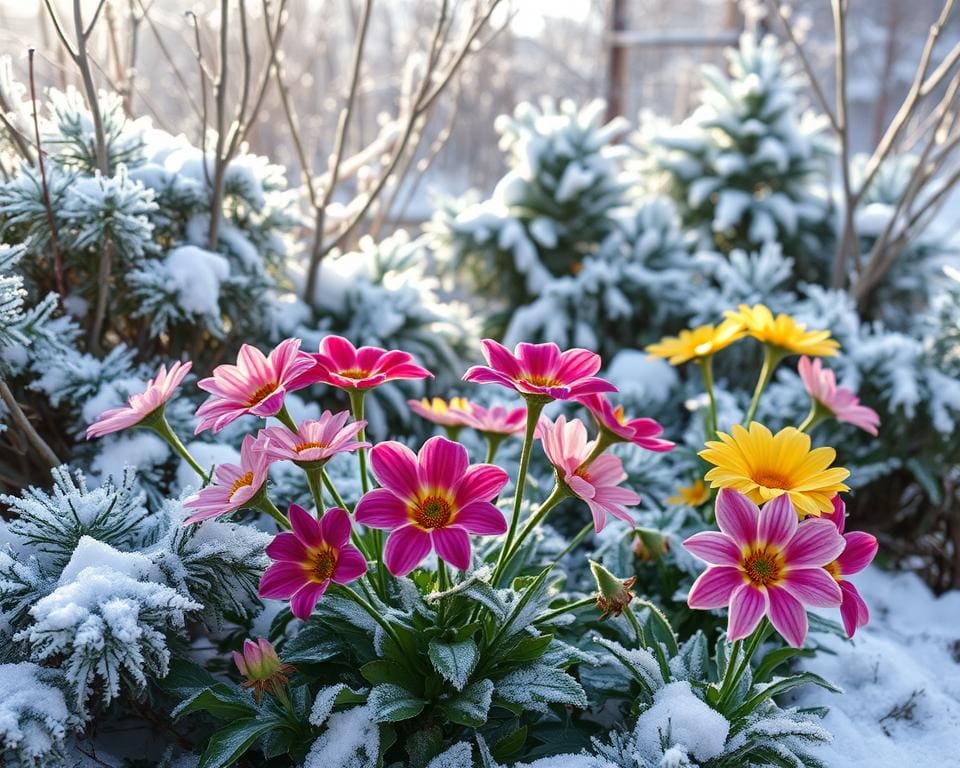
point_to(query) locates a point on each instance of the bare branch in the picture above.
(187, 90)
(21, 421)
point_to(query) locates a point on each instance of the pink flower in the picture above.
(566, 446)
(309, 558)
(314, 442)
(642, 432)
(256, 384)
(431, 500)
(497, 419)
(541, 370)
(821, 384)
(261, 666)
(439, 411)
(159, 390)
(340, 364)
(233, 486)
(859, 550)
(765, 563)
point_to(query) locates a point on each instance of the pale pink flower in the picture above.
(821, 385)
(496, 420)
(255, 385)
(340, 364)
(439, 411)
(642, 432)
(233, 486)
(431, 500)
(314, 442)
(765, 562)
(858, 552)
(598, 483)
(310, 557)
(540, 370)
(159, 390)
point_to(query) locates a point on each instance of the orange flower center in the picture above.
(833, 568)
(261, 393)
(619, 415)
(322, 564)
(763, 566)
(307, 446)
(582, 472)
(542, 380)
(241, 482)
(432, 512)
(355, 373)
(772, 479)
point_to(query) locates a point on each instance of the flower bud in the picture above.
(613, 594)
(261, 666)
(650, 545)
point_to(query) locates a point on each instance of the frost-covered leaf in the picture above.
(351, 740)
(538, 685)
(329, 697)
(454, 661)
(471, 705)
(458, 756)
(391, 703)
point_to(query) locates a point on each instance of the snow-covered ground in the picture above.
(901, 677)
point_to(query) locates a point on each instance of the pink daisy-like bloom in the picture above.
(159, 390)
(540, 370)
(859, 550)
(256, 384)
(431, 500)
(440, 411)
(340, 364)
(496, 420)
(309, 557)
(765, 563)
(233, 486)
(821, 385)
(598, 484)
(314, 442)
(643, 432)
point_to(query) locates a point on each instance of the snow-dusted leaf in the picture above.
(329, 697)
(538, 685)
(471, 705)
(454, 661)
(458, 756)
(391, 703)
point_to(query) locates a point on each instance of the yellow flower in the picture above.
(783, 332)
(697, 343)
(691, 495)
(762, 466)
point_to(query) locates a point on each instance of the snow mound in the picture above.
(679, 720)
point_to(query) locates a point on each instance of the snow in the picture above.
(33, 714)
(679, 719)
(197, 274)
(900, 675)
(352, 740)
(636, 374)
(93, 553)
(138, 449)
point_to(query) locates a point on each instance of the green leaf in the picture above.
(186, 678)
(529, 649)
(510, 746)
(778, 657)
(778, 688)
(227, 745)
(386, 671)
(471, 706)
(312, 645)
(537, 685)
(390, 703)
(220, 700)
(454, 661)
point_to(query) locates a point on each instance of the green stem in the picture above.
(328, 483)
(771, 359)
(550, 615)
(283, 416)
(163, 428)
(556, 496)
(584, 532)
(316, 489)
(604, 440)
(731, 680)
(376, 535)
(534, 408)
(706, 369)
(637, 629)
(817, 414)
(493, 443)
(374, 614)
(264, 503)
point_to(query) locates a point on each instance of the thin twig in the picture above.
(23, 424)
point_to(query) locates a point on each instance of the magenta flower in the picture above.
(431, 500)
(309, 558)
(314, 442)
(261, 666)
(566, 446)
(765, 563)
(540, 370)
(821, 385)
(859, 550)
(233, 486)
(496, 420)
(642, 432)
(340, 364)
(256, 384)
(159, 390)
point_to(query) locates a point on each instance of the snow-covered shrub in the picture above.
(34, 717)
(549, 211)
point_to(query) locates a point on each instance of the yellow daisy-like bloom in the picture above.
(762, 466)
(698, 342)
(783, 331)
(691, 495)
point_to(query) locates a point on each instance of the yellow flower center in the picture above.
(241, 482)
(619, 415)
(322, 563)
(432, 512)
(355, 373)
(763, 566)
(261, 393)
(307, 446)
(542, 380)
(772, 479)
(833, 568)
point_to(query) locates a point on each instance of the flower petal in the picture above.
(395, 467)
(714, 547)
(350, 565)
(282, 579)
(381, 508)
(714, 587)
(815, 543)
(787, 615)
(286, 546)
(453, 545)
(335, 527)
(303, 603)
(737, 516)
(858, 553)
(481, 482)
(853, 609)
(481, 518)
(442, 463)
(405, 549)
(812, 586)
(305, 526)
(747, 606)
(778, 522)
